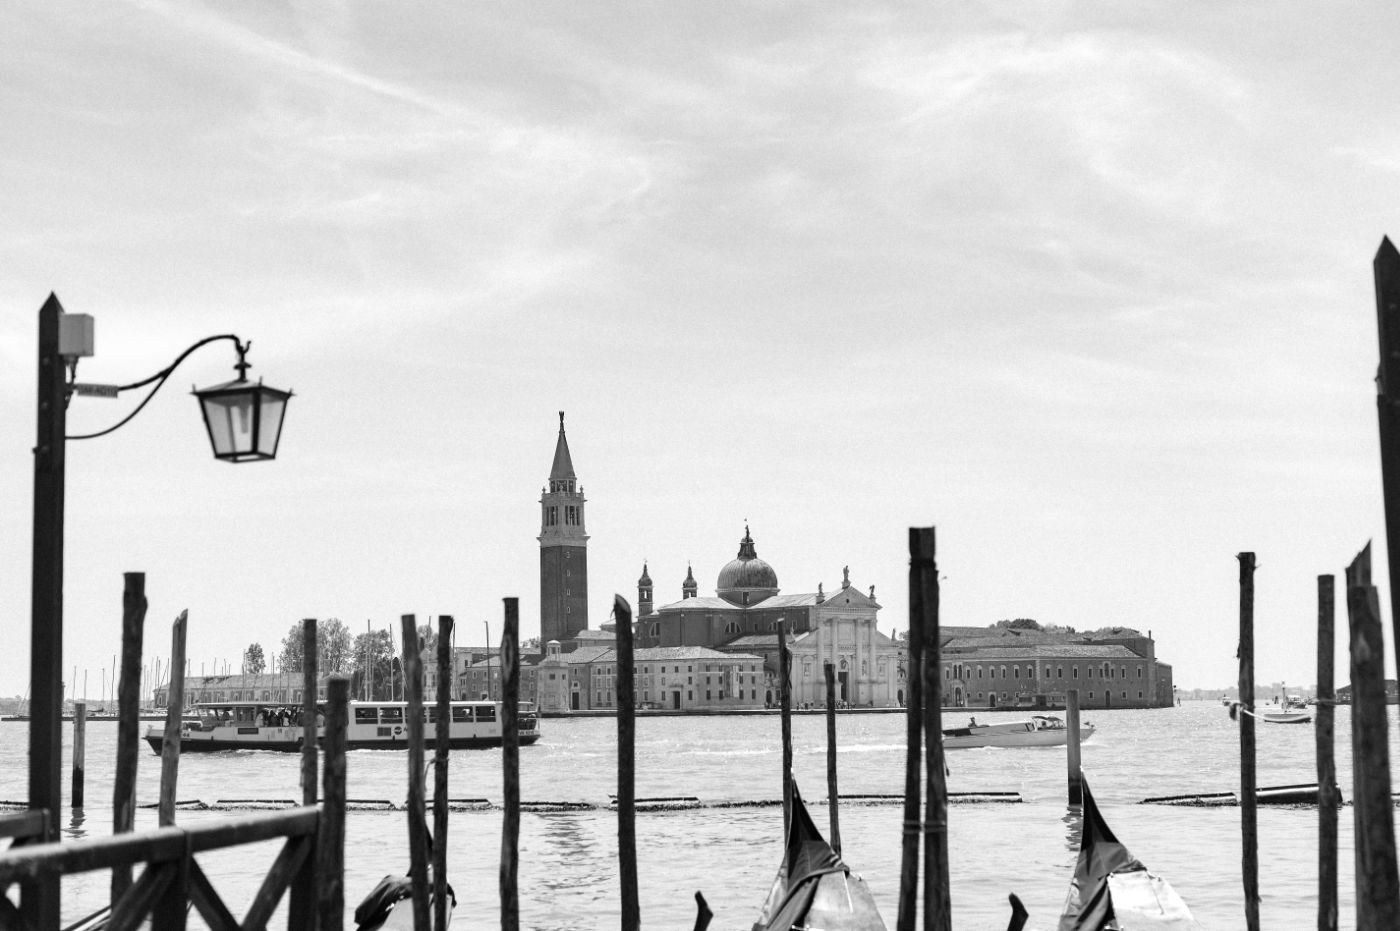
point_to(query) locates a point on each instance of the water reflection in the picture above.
(75, 825)
(1074, 827)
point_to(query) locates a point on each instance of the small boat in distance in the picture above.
(381, 725)
(1291, 716)
(1042, 730)
(1112, 889)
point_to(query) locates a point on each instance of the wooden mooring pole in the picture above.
(1249, 815)
(785, 715)
(1323, 733)
(1377, 887)
(128, 718)
(937, 884)
(831, 790)
(417, 818)
(1076, 774)
(440, 756)
(510, 767)
(330, 839)
(914, 706)
(309, 685)
(79, 751)
(1386, 269)
(626, 768)
(174, 719)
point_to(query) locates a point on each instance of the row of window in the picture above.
(1106, 671)
(1006, 696)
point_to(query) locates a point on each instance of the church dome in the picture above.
(746, 579)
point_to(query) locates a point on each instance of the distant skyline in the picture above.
(1087, 288)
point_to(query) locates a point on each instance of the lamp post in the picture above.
(244, 421)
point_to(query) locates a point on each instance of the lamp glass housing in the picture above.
(244, 419)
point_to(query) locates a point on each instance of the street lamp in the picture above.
(244, 423)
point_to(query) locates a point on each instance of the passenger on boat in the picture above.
(972, 721)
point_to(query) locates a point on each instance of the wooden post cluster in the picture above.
(1377, 886)
(1249, 815)
(1323, 733)
(417, 819)
(626, 767)
(510, 765)
(925, 734)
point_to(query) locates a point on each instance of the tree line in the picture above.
(369, 659)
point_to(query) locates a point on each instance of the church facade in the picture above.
(746, 613)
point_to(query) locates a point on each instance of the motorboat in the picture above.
(1040, 730)
(1287, 716)
(372, 725)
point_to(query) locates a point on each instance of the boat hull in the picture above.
(1286, 717)
(1034, 733)
(200, 744)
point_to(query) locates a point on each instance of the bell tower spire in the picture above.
(563, 549)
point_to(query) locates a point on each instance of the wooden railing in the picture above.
(173, 879)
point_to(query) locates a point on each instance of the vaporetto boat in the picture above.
(382, 725)
(1041, 730)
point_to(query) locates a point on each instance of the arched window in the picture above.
(1015, 672)
(656, 630)
(1059, 672)
(731, 628)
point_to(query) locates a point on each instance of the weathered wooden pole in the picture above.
(1323, 733)
(417, 817)
(174, 718)
(919, 549)
(510, 766)
(40, 900)
(128, 719)
(626, 767)
(1076, 774)
(785, 717)
(79, 751)
(310, 676)
(937, 892)
(831, 790)
(702, 913)
(443, 737)
(330, 837)
(1249, 815)
(1377, 887)
(1386, 268)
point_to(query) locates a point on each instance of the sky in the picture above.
(1085, 287)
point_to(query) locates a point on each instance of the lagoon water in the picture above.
(567, 871)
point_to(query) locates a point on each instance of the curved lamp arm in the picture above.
(160, 378)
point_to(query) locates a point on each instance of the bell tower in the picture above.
(563, 550)
(644, 601)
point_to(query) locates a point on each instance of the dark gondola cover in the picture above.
(814, 888)
(1112, 890)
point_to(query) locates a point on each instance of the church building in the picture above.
(744, 615)
(563, 551)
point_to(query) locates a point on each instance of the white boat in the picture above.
(373, 725)
(1286, 717)
(1041, 730)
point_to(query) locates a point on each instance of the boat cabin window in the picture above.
(486, 712)
(366, 715)
(461, 713)
(392, 715)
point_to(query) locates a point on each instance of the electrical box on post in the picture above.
(75, 335)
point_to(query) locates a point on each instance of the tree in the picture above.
(333, 647)
(253, 661)
(1020, 623)
(374, 660)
